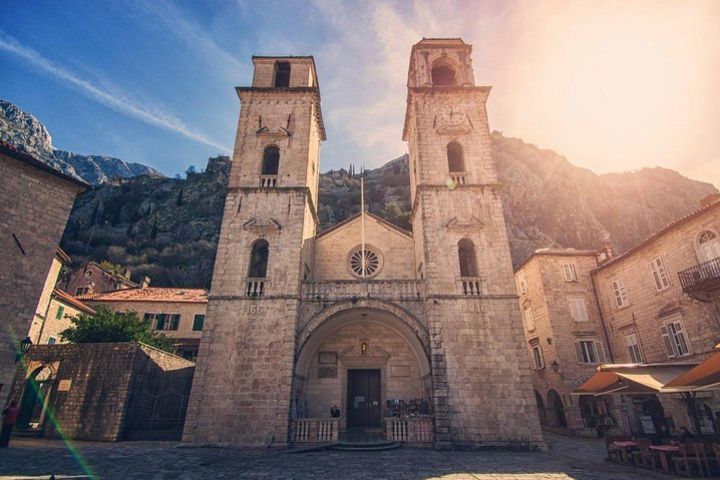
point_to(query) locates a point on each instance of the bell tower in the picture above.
(481, 374)
(243, 381)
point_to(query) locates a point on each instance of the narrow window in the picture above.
(620, 293)
(51, 340)
(578, 309)
(631, 341)
(522, 283)
(271, 160)
(455, 158)
(282, 74)
(60, 311)
(674, 338)
(198, 323)
(657, 267)
(538, 358)
(569, 273)
(259, 259)
(466, 256)
(443, 75)
(590, 351)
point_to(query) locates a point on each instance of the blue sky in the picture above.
(612, 85)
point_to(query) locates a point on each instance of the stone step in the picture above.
(365, 447)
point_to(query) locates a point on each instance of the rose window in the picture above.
(370, 266)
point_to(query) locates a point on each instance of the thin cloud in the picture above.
(111, 98)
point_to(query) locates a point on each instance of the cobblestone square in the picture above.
(566, 458)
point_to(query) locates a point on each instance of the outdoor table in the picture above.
(664, 451)
(624, 446)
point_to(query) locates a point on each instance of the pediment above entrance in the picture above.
(261, 225)
(461, 224)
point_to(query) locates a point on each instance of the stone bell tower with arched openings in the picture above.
(242, 386)
(482, 386)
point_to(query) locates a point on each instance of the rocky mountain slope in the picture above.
(168, 228)
(25, 132)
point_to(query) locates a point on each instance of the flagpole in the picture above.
(362, 225)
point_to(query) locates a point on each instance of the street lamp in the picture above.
(555, 366)
(24, 347)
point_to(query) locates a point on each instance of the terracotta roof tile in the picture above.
(72, 301)
(150, 294)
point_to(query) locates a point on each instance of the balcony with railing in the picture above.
(702, 281)
(458, 178)
(314, 430)
(268, 181)
(339, 290)
(471, 286)
(255, 287)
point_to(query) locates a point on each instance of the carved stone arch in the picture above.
(370, 304)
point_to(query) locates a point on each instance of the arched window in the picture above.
(466, 256)
(271, 160)
(259, 259)
(282, 74)
(455, 157)
(442, 75)
(708, 245)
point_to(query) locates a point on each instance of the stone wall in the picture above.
(333, 250)
(555, 331)
(649, 308)
(34, 207)
(401, 373)
(93, 385)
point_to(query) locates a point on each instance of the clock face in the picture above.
(451, 116)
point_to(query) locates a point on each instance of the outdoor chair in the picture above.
(613, 452)
(686, 461)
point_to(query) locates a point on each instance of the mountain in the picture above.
(25, 132)
(168, 228)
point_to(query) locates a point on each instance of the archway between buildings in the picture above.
(366, 361)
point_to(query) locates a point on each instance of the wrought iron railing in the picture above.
(692, 277)
(354, 289)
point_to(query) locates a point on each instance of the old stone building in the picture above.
(35, 202)
(565, 337)
(93, 278)
(56, 308)
(177, 313)
(414, 334)
(661, 303)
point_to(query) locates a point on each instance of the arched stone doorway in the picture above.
(365, 359)
(555, 410)
(35, 398)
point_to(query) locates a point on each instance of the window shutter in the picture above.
(571, 307)
(669, 347)
(682, 345)
(600, 350)
(579, 352)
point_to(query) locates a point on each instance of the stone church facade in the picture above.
(423, 325)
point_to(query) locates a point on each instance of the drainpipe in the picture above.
(602, 318)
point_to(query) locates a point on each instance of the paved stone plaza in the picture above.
(565, 459)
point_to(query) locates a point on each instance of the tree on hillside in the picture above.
(107, 326)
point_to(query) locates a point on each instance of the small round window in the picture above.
(366, 268)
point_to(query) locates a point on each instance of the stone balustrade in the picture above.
(255, 287)
(409, 429)
(314, 430)
(338, 290)
(268, 181)
(471, 286)
(458, 178)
